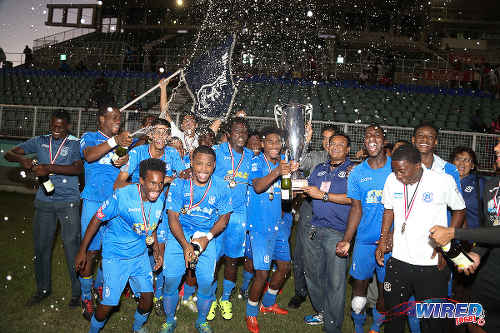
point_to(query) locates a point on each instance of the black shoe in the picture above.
(296, 301)
(74, 302)
(37, 298)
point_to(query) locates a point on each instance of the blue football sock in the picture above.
(359, 321)
(227, 289)
(252, 308)
(213, 290)
(269, 297)
(99, 278)
(159, 285)
(86, 286)
(188, 291)
(169, 305)
(247, 277)
(95, 325)
(203, 304)
(378, 320)
(139, 320)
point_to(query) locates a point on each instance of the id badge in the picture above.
(325, 186)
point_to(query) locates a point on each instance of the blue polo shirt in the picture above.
(65, 187)
(329, 214)
(471, 192)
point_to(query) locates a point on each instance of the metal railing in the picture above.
(60, 37)
(26, 121)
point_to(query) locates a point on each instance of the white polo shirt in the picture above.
(189, 143)
(435, 193)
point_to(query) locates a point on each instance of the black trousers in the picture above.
(403, 280)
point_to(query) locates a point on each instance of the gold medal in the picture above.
(150, 240)
(271, 196)
(232, 184)
(183, 211)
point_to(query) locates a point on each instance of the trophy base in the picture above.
(299, 184)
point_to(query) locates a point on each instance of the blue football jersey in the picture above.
(100, 175)
(264, 215)
(138, 154)
(203, 213)
(224, 170)
(366, 185)
(126, 227)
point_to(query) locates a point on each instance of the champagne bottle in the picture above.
(457, 255)
(45, 182)
(286, 187)
(119, 152)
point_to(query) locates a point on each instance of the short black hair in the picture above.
(407, 153)
(174, 138)
(151, 164)
(252, 132)
(425, 124)
(375, 126)
(342, 135)
(203, 150)
(145, 119)
(206, 131)
(160, 121)
(105, 109)
(189, 114)
(328, 128)
(62, 114)
(237, 120)
(270, 130)
(463, 149)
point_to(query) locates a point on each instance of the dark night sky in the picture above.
(22, 21)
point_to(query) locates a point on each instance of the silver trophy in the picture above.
(292, 119)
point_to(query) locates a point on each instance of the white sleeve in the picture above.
(175, 131)
(453, 197)
(386, 194)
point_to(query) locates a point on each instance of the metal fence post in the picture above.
(34, 122)
(126, 120)
(474, 141)
(78, 129)
(1, 116)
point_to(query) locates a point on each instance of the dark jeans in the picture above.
(326, 275)
(425, 282)
(298, 254)
(44, 232)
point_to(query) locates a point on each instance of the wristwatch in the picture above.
(325, 197)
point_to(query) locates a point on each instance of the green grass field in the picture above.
(17, 283)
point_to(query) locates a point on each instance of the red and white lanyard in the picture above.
(191, 206)
(409, 205)
(144, 221)
(232, 161)
(495, 201)
(104, 135)
(53, 160)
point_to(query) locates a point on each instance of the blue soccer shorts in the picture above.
(364, 263)
(234, 236)
(174, 264)
(89, 208)
(267, 247)
(117, 272)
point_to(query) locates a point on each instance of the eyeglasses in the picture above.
(464, 160)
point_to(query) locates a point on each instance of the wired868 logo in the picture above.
(441, 308)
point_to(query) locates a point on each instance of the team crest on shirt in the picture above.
(321, 173)
(211, 200)
(387, 286)
(427, 197)
(374, 196)
(267, 259)
(341, 174)
(99, 214)
(254, 167)
(469, 189)
(65, 151)
(107, 292)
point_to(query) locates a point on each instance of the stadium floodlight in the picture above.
(309, 13)
(180, 2)
(340, 59)
(182, 31)
(359, 51)
(62, 57)
(99, 3)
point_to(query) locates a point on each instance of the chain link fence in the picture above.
(19, 121)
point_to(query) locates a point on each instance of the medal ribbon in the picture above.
(104, 135)
(146, 226)
(269, 168)
(52, 161)
(191, 206)
(232, 161)
(409, 205)
(497, 208)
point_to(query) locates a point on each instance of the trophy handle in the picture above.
(278, 111)
(308, 113)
